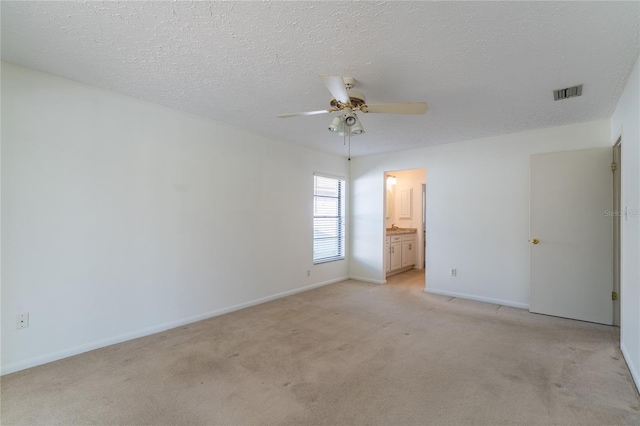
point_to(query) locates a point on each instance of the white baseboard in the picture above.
(632, 367)
(478, 298)
(54, 356)
(368, 280)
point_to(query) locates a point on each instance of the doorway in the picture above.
(404, 220)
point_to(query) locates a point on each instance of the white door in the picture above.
(571, 256)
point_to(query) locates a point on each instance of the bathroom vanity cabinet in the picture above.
(400, 251)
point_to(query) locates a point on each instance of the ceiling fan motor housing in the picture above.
(357, 99)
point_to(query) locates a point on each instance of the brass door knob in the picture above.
(535, 241)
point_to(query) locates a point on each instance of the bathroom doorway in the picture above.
(404, 220)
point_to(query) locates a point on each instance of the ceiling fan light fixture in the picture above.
(349, 117)
(336, 125)
(357, 128)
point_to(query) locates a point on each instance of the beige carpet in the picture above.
(347, 354)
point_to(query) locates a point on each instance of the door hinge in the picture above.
(614, 295)
(614, 167)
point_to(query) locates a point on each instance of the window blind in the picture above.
(328, 219)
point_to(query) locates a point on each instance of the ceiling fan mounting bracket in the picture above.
(349, 82)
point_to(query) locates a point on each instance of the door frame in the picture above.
(424, 226)
(617, 213)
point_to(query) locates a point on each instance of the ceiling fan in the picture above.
(347, 101)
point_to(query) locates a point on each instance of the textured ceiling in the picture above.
(483, 68)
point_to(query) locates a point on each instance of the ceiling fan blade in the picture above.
(403, 108)
(335, 84)
(295, 114)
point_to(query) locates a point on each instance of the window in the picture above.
(328, 219)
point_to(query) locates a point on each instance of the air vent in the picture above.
(569, 92)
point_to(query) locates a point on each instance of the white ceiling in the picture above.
(484, 69)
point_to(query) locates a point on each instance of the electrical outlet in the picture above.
(308, 272)
(454, 272)
(22, 320)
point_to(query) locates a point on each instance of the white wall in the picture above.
(625, 122)
(477, 210)
(121, 218)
